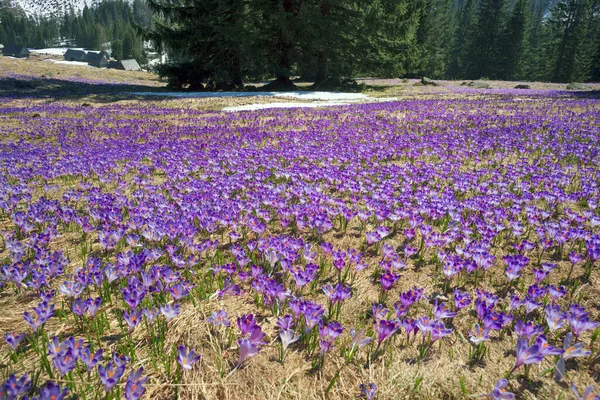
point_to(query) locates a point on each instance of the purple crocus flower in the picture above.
(247, 350)
(79, 307)
(132, 318)
(14, 387)
(89, 359)
(51, 391)
(479, 334)
(387, 280)
(170, 311)
(579, 324)
(410, 326)
(570, 350)
(41, 314)
(13, 340)
(546, 348)
(385, 329)
(358, 338)
(47, 296)
(246, 323)
(528, 329)
(588, 393)
(440, 311)
(65, 361)
(187, 358)
(110, 375)
(285, 323)
(439, 331)
(527, 354)
(134, 388)
(461, 299)
(219, 318)
(368, 391)
(93, 305)
(499, 391)
(287, 337)
(328, 334)
(555, 318)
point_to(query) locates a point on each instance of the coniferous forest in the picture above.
(233, 41)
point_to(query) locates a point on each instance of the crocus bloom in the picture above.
(285, 323)
(368, 391)
(134, 388)
(461, 299)
(132, 318)
(499, 391)
(65, 361)
(328, 335)
(579, 324)
(219, 318)
(51, 391)
(247, 350)
(440, 311)
(287, 337)
(569, 351)
(358, 338)
(110, 375)
(13, 340)
(479, 334)
(385, 329)
(187, 358)
(588, 393)
(246, 323)
(387, 280)
(13, 387)
(170, 311)
(527, 354)
(89, 359)
(554, 317)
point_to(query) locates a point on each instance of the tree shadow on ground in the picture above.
(61, 89)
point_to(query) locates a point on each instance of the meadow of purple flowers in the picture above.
(431, 248)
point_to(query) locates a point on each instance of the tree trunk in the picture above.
(321, 73)
(236, 69)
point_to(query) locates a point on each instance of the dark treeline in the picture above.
(228, 42)
(110, 24)
(233, 40)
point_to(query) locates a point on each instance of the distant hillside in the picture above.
(48, 8)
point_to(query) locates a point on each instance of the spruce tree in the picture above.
(459, 49)
(484, 52)
(513, 43)
(433, 38)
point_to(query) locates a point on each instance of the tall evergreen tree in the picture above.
(513, 43)
(433, 37)
(459, 49)
(568, 31)
(484, 51)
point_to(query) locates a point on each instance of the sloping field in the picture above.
(431, 246)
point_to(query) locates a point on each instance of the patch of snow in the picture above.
(71, 63)
(323, 95)
(315, 104)
(328, 96)
(51, 7)
(54, 51)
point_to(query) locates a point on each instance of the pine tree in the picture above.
(513, 43)
(484, 52)
(203, 39)
(433, 38)
(459, 48)
(568, 43)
